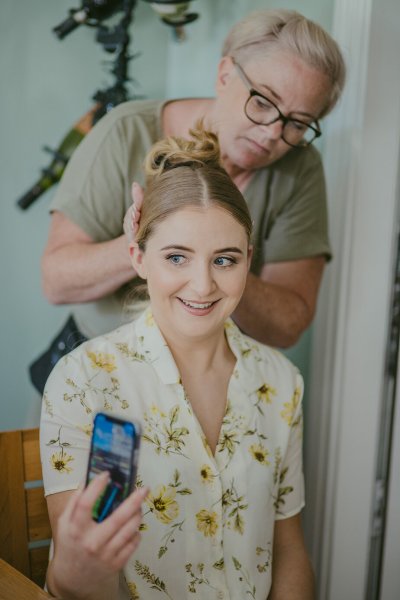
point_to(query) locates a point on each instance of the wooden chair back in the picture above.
(25, 531)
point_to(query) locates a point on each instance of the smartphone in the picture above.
(114, 448)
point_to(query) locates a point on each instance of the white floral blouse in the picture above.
(208, 521)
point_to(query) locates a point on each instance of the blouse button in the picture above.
(221, 595)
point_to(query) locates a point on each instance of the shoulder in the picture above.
(299, 161)
(139, 118)
(273, 359)
(299, 172)
(139, 109)
(102, 353)
(280, 374)
(260, 358)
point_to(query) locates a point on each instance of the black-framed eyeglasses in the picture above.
(262, 111)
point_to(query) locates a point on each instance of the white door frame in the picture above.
(361, 160)
(390, 572)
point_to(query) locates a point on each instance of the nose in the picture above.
(274, 130)
(202, 281)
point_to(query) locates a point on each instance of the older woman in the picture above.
(279, 74)
(220, 467)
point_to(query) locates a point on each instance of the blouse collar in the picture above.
(154, 348)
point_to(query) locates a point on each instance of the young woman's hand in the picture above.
(132, 216)
(89, 555)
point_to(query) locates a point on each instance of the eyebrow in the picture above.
(269, 90)
(277, 97)
(186, 249)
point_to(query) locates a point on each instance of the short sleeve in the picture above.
(66, 425)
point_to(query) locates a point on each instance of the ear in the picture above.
(225, 69)
(138, 259)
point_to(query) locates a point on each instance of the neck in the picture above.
(181, 115)
(201, 355)
(240, 177)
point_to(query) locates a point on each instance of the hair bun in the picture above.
(173, 152)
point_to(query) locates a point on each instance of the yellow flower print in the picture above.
(164, 431)
(163, 504)
(206, 474)
(129, 353)
(290, 408)
(156, 411)
(87, 429)
(150, 319)
(60, 460)
(101, 360)
(48, 406)
(260, 453)
(265, 393)
(133, 590)
(207, 522)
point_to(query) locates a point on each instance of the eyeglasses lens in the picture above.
(263, 112)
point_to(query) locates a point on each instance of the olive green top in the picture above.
(287, 201)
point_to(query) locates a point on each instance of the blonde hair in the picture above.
(184, 173)
(288, 30)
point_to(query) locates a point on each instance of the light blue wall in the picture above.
(46, 85)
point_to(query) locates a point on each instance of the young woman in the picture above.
(220, 484)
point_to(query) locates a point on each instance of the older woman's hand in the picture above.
(132, 216)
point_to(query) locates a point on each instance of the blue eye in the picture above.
(224, 261)
(176, 259)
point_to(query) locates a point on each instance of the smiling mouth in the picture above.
(198, 305)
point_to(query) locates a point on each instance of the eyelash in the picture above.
(171, 256)
(231, 259)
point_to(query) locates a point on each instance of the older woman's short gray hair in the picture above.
(289, 31)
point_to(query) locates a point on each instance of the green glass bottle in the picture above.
(52, 174)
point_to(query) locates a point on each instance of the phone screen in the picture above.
(114, 449)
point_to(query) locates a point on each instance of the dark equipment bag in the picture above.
(66, 340)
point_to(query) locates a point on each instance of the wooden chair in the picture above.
(24, 523)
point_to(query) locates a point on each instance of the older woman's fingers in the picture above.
(128, 223)
(137, 198)
(137, 195)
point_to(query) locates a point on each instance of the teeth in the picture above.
(195, 305)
